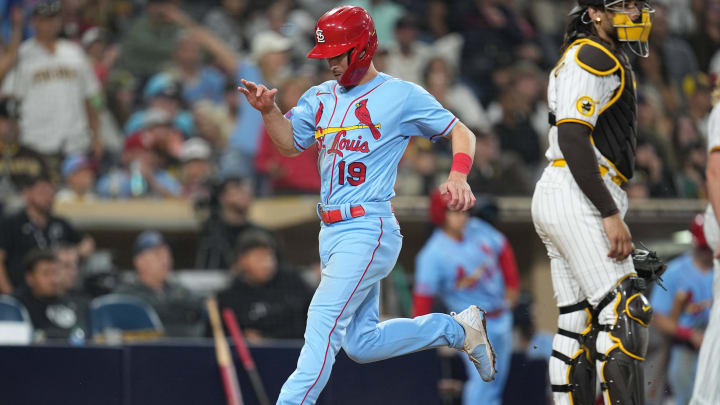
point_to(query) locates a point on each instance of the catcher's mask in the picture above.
(634, 30)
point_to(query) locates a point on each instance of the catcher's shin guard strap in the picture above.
(574, 307)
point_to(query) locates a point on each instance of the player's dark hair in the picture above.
(36, 256)
(577, 27)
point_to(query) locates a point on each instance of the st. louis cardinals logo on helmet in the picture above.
(346, 29)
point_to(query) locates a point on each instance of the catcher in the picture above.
(579, 205)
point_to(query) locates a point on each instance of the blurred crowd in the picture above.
(123, 99)
(117, 99)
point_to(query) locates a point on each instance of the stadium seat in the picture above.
(125, 318)
(15, 324)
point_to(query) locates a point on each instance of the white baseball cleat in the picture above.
(477, 345)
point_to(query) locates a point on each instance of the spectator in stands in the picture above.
(269, 301)
(229, 21)
(227, 222)
(196, 168)
(418, 170)
(676, 53)
(698, 93)
(492, 31)
(77, 171)
(213, 124)
(35, 226)
(385, 14)
(18, 164)
(150, 41)
(407, 56)
(178, 308)
(56, 85)
(200, 81)
(8, 54)
(682, 309)
(289, 175)
(691, 175)
(706, 39)
(637, 188)
(684, 135)
(496, 172)
(54, 315)
(436, 22)
(102, 57)
(120, 94)
(69, 277)
(657, 177)
(655, 127)
(144, 172)
(440, 81)
(518, 101)
(163, 93)
(268, 64)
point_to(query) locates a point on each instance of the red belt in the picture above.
(332, 216)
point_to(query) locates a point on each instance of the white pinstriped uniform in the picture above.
(567, 222)
(707, 379)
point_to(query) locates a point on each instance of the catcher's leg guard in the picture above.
(572, 369)
(622, 342)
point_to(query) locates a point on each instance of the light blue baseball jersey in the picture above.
(463, 272)
(683, 276)
(363, 132)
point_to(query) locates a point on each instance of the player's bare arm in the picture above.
(278, 127)
(461, 197)
(713, 187)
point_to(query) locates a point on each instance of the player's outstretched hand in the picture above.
(259, 96)
(619, 236)
(457, 191)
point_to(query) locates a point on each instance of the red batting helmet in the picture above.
(698, 234)
(438, 207)
(343, 29)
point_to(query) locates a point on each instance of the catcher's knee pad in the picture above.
(622, 342)
(572, 369)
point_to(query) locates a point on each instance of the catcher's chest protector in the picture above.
(615, 133)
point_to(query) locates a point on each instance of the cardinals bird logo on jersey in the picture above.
(363, 115)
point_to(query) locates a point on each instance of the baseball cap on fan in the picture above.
(195, 149)
(46, 8)
(269, 41)
(148, 240)
(73, 163)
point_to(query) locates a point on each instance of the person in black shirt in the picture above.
(227, 222)
(269, 302)
(53, 314)
(18, 164)
(34, 227)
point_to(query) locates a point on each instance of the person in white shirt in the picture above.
(56, 86)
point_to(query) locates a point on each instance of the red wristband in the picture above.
(683, 333)
(462, 162)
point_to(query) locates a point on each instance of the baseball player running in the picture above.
(467, 261)
(707, 389)
(578, 206)
(362, 123)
